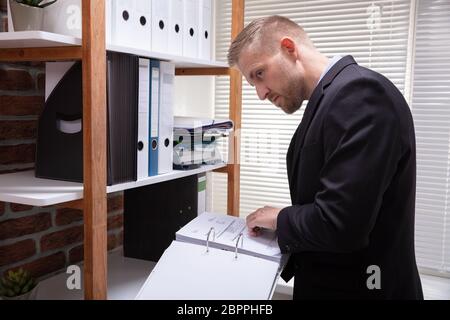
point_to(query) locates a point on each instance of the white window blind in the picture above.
(374, 32)
(431, 111)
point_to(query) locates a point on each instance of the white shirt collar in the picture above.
(331, 63)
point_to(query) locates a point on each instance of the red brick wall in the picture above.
(42, 239)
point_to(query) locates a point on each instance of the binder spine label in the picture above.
(155, 102)
(154, 118)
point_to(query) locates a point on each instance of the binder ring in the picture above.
(241, 237)
(207, 237)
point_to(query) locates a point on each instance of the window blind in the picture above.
(374, 32)
(431, 112)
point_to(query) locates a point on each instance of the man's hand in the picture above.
(263, 217)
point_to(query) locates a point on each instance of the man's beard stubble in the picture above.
(294, 94)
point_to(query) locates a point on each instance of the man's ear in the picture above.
(288, 46)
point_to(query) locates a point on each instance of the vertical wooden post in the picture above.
(237, 25)
(94, 149)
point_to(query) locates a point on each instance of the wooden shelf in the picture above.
(125, 278)
(19, 42)
(23, 187)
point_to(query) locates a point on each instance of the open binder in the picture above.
(213, 258)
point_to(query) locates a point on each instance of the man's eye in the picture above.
(259, 74)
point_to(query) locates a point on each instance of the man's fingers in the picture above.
(251, 218)
(251, 222)
(255, 221)
(254, 231)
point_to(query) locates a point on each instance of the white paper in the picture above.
(227, 229)
(10, 23)
(54, 72)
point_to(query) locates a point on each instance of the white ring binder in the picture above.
(216, 274)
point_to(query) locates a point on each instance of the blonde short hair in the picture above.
(265, 32)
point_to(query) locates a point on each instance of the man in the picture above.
(351, 167)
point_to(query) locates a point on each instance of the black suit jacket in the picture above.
(352, 168)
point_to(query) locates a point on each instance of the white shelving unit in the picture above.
(42, 39)
(23, 187)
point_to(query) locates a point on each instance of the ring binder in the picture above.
(196, 274)
(207, 237)
(240, 237)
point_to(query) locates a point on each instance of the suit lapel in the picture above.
(299, 137)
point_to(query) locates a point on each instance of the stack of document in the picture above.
(204, 124)
(195, 141)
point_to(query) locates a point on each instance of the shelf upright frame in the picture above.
(234, 169)
(94, 149)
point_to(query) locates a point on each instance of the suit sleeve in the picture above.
(361, 145)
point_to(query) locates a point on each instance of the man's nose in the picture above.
(262, 91)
